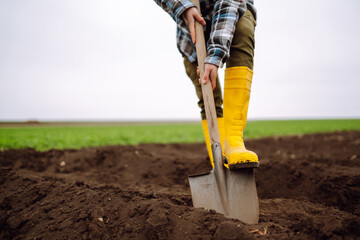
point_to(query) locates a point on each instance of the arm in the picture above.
(226, 15)
(175, 8)
(190, 14)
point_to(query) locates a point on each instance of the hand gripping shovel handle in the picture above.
(206, 88)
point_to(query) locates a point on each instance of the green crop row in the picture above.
(44, 138)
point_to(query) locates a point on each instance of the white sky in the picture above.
(117, 60)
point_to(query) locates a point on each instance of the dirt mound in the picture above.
(309, 188)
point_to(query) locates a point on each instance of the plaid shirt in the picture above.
(223, 16)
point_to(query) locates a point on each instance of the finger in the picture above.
(206, 76)
(200, 19)
(192, 31)
(213, 79)
(198, 71)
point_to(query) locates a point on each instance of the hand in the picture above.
(190, 16)
(209, 73)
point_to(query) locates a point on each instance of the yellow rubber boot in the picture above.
(236, 102)
(207, 137)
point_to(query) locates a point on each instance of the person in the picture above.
(229, 27)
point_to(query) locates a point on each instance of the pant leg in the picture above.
(191, 72)
(243, 43)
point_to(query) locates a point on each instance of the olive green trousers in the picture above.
(241, 54)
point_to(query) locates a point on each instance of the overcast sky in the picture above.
(117, 60)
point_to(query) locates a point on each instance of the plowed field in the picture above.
(308, 186)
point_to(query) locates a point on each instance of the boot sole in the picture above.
(244, 165)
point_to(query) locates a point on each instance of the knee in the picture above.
(244, 29)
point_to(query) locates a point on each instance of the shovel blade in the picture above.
(235, 195)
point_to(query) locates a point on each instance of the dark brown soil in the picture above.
(309, 188)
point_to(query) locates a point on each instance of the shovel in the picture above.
(230, 192)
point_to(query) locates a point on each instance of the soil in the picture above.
(308, 186)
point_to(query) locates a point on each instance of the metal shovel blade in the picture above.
(230, 192)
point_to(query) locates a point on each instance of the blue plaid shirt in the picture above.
(222, 16)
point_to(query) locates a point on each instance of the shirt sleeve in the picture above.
(226, 15)
(175, 8)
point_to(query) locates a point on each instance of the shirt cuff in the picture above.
(215, 58)
(180, 7)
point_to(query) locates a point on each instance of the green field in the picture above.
(44, 137)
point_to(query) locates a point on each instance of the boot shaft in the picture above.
(236, 99)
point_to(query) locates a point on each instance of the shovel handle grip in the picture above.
(207, 91)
